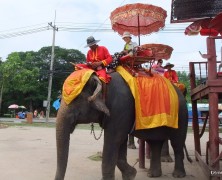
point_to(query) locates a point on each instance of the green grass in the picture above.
(79, 126)
(47, 125)
(12, 124)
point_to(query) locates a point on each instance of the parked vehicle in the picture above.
(190, 115)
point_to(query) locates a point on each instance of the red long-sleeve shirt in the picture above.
(171, 75)
(100, 54)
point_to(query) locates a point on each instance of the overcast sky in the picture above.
(32, 15)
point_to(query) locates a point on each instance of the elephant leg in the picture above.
(131, 143)
(179, 170)
(165, 155)
(110, 156)
(128, 172)
(155, 163)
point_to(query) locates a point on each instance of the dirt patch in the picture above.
(3, 126)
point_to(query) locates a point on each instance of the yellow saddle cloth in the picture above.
(74, 84)
(156, 100)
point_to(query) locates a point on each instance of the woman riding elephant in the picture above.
(118, 116)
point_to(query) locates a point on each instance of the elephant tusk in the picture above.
(97, 90)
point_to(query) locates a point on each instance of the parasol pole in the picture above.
(138, 17)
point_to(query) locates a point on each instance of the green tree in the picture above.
(1, 84)
(26, 75)
(185, 79)
(20, 77)
(62, 67)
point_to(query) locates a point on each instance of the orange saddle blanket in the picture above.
(74, 84)
(156, 100)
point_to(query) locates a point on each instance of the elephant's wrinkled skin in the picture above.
(120, 103)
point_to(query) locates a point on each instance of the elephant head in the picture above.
(87, 107)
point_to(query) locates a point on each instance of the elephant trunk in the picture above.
(62, 141)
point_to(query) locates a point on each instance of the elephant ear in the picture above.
(96, 98)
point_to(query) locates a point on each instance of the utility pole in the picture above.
(51, 72)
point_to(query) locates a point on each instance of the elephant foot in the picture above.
(154, 173)
(166, 158)
(130, 174)
(179, 173)
(131, 146)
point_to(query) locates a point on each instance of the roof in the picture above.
(192, 10)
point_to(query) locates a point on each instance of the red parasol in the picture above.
(216, 23)
(160, 51)
(205, 27)
(151, 52)
(138, 19)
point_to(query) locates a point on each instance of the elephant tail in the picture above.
(187, 155)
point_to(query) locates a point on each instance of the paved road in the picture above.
(29, 153)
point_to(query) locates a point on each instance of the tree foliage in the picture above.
(25, 75)
(185, 79)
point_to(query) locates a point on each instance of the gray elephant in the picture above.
(117, 117)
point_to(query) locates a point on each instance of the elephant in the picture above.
(116, 114)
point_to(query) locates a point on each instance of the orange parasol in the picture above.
(138, 19)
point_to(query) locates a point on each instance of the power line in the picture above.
(77, 29)
(98, 27)
(25, 27)
(25, 32)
